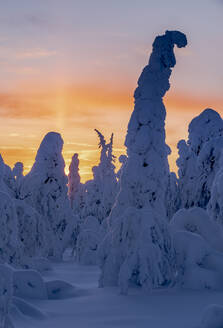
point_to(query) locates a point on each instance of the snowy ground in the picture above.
(104, 307)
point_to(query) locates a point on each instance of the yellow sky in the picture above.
(75, 111)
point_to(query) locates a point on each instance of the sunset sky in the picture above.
(72, 66)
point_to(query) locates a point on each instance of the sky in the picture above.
(72, 66)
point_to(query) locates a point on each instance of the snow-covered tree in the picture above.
(88, 240)
(73, 178)
(101, 191)
(31, 230)
(45, 189)
(198, 243)
(99, 197)
(122, 160)
(138, 247)
(215, 205)
(172, 196)
(6, 183)
(17, 173)
(199, 158)
(10, 248)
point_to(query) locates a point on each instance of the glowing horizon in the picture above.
(78, 131)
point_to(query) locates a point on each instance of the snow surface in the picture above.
(104, 307)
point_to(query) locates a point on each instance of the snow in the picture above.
(105, 308)
(126, 257)
(73, 179)
(45, 189)
(29, 284)
(10, 247)
(213, 317)
(196, 220)
(198, 245)
(199, 159)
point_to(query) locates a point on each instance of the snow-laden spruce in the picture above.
(10, 248)
(138, 250)
(102, 190)
(17, 173)
(99, 198)
(31, 230)
(215, 205)
(45, 189)
(198, 243)
(23, 228)
(122, 160)
(6, 178)
(199, 158)
(73, 179)
(90, 236)
(172, 196)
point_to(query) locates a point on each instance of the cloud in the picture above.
(35, 53)
(77, 103)
(37, 20)
(9, 53)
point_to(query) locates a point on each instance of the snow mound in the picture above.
(29, 284)
(26, 309)
(212, 317)
(196, 220)
(40, 264)
(6, 292)
(198, 265)
(58, 289)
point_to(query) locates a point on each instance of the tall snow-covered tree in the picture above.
(6, 178)
(45, 189)
(99, 198)
(172, 196)
(122, 160)
(10, 248)
(215, 205)
(17, 173)
(198, 159)
(31, 230)
(73, 178)
(101, 191)
(137, 250)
